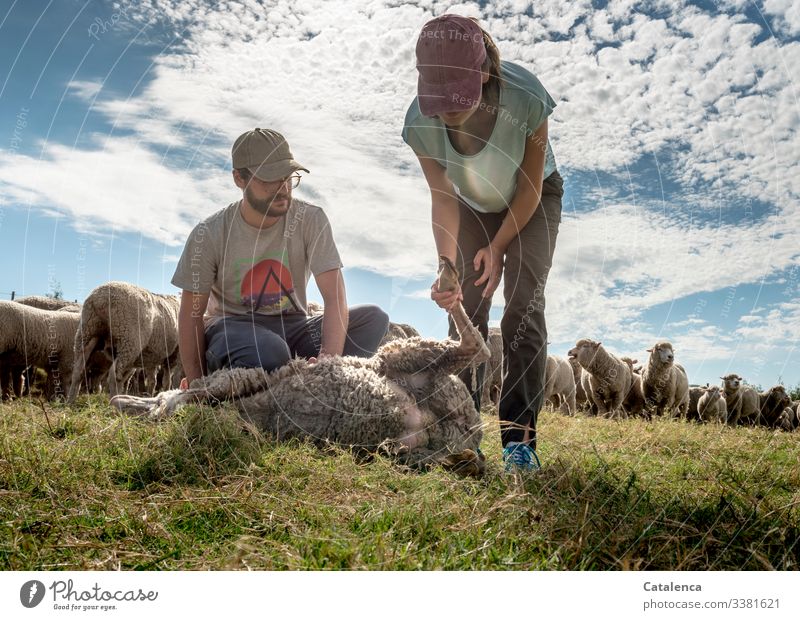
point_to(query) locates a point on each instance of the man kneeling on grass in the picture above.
(244, 272)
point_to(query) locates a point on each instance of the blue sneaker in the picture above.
(520, 457)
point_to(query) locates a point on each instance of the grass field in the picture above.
(85, 489)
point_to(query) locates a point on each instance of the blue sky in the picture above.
(676, 132)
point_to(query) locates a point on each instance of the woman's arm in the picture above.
(523, 205)
(444, 207)
(446, 220)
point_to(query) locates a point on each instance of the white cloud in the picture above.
(84, 89)
(691, 92)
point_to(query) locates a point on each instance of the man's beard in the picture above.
(265, 205)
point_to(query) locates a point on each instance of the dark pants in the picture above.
(527, 264)
(268, 342)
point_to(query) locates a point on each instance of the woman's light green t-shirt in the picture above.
(487, 180)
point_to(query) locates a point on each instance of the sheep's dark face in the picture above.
(780, 395)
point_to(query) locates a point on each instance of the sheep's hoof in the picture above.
(448, 275)
(466, 463)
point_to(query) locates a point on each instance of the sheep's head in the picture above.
(662, 353)
(777, 397)
(731, 382)
(713, 392)
(630, 362)
(584, 350)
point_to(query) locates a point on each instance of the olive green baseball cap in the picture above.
(266, 154)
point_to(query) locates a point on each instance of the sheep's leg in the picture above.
(82, 352)
(471, 345)
(223, 385)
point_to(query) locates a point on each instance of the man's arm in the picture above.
(192, 335)
(335, 317)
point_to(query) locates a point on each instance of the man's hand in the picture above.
(492, 261)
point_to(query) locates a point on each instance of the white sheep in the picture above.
(741, 400)
(559, 384)
(405, 400)
(664, 383)
(48, 303)
(30, 337)
(134, 327)
(711, 405)
(580, 394)
(609, 379)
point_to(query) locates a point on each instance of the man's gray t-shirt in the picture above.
(245, 268)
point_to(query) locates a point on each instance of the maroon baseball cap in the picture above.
(450, 54)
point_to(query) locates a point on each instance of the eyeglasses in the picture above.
(293, 180)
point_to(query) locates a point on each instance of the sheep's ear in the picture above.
(634, 362)
(649, 350)
(597, 344)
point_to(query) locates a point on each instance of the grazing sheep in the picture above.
(405, 400)
(48, 303)
(30, 337)
(560, 383)
(135, 328)
(711, 405)
(664, 383)
(609, 379)
(772, 403)
(741, 400)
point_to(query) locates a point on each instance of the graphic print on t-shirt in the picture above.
(267, 286)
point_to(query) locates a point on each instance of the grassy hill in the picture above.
(84, 488)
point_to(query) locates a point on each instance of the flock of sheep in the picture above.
(122, 339)
(598, 381)
(125, 338)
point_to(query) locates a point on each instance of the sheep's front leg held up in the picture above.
(471, 346)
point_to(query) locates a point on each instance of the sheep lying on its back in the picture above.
(404, 400)
(133, 326)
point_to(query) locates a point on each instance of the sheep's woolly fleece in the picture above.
(404, 401)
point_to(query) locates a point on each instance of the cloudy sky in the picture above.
(676, 132)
